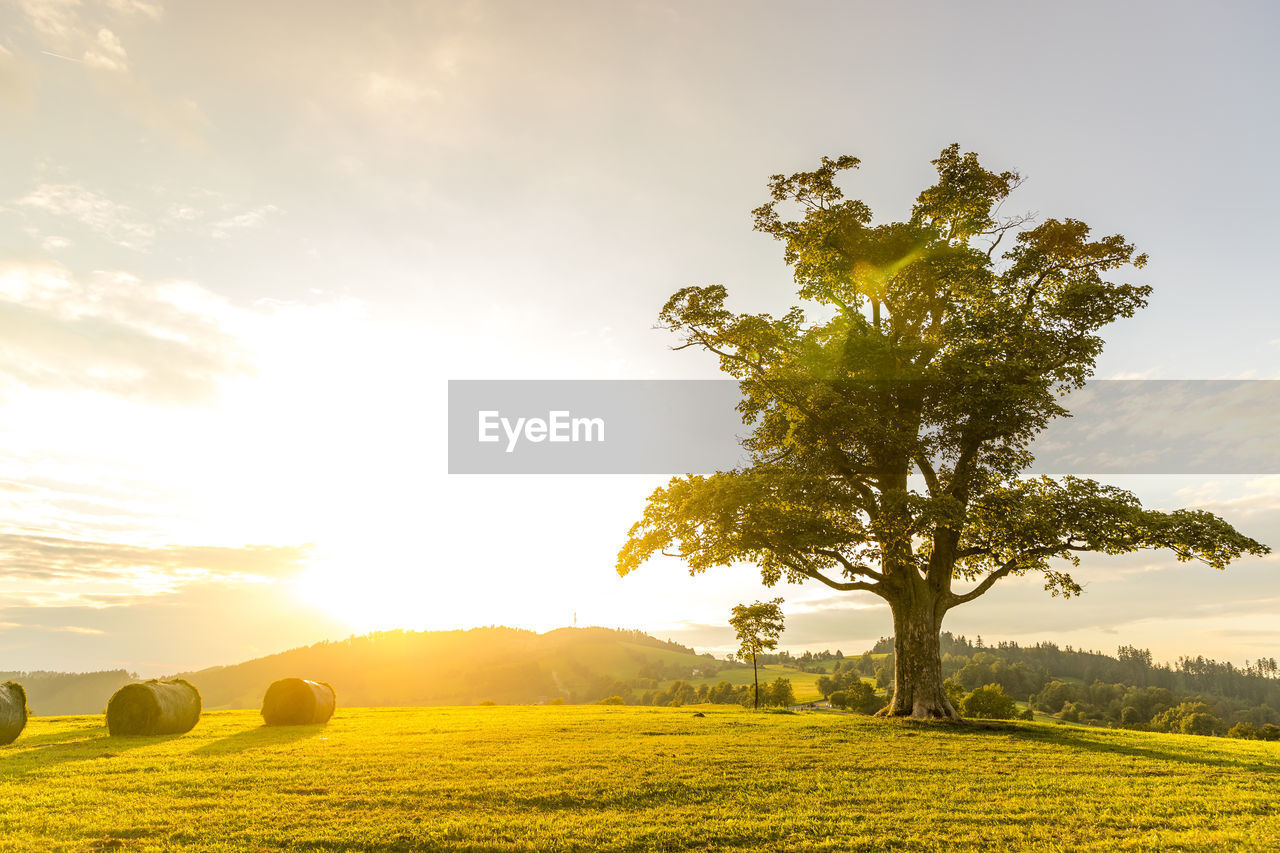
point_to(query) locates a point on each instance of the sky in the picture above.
(244, 246)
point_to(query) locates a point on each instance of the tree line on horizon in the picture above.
(51, 694)
(773, 694)
(591, 665)
(1194, 695)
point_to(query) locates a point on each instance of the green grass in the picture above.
(601, 778)
(828, 665)
(804, 684)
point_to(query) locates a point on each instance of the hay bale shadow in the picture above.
(28, 740)
(47, 751)
(258, 738)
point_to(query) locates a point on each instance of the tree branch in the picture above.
(960, 473)
(1012, 564)
(842, 586)
(930, 476)
(987, 582)
(851, 568)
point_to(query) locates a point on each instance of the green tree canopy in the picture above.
(890, 416)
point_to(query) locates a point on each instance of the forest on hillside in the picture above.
(51, 694)
(1195, 695)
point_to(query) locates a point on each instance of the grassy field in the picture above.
(804, 684)
(623, 778)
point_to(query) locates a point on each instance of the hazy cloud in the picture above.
(1115, 599)
(15, 86)
(1256, 495)
(63, 20)
(240, 221)
(398, 92)
(28, 556)
(60, 629)
(54, 18)
(183, 213)
(135, 7)
(116, 222)
(88, 33)
(1164, 427)
(159, 342)
(107, 52)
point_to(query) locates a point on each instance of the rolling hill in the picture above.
(495, 664)
(502, 665)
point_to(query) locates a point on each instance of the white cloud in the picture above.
(116, 222)
(240, 221)
(183, 213)
(207, 213)
(107, 52)
(135, 7)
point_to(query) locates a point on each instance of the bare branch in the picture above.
(1005, 226)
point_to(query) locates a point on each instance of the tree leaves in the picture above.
(939, 361)
(757, 626)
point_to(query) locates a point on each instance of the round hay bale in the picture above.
(13, 711)
(298, 702)
(154, 707)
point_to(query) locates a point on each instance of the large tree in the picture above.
(888, 431)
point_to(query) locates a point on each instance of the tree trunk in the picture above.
(756, 674)
(917, 671)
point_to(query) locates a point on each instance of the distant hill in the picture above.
(502, 665)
